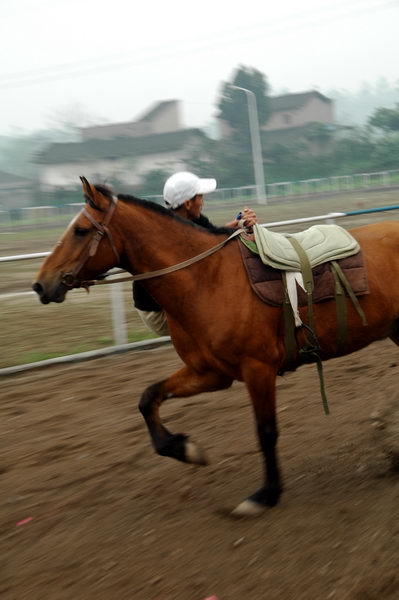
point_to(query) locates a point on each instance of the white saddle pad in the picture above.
(321, 243)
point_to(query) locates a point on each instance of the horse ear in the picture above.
(87, 189)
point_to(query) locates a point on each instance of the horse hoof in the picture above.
(195, 455)
(248, 508)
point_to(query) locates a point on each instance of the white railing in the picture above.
(280, 190)
(307, 187)
(116, 298)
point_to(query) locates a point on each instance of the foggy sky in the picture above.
(114, 59)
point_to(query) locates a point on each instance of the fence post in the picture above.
(118, 314)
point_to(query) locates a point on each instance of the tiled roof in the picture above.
(117, 147)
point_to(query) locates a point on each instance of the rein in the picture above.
(71, 281)
(171, 269)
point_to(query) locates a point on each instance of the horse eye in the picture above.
(81, 231)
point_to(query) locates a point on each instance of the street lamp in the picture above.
(255, 143)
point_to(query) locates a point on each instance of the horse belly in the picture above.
(381, 315)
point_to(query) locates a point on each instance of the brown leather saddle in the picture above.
(267, 282)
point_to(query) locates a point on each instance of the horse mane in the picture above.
(149, 205)
(159, 209)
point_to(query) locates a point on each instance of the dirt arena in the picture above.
(88, 511)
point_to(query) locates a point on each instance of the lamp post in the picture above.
(255, 143)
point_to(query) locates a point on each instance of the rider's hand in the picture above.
(245, 218)
(248, 217)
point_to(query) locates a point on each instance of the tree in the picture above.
(234, 155)
(233, 107)
(68, 120)
(319, 132)
(386, 153)
(18, 152)
(386, 119)
(153, 182)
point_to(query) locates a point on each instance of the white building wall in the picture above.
(130, 170)
(314, 110)
(317, 111)
(169, 119)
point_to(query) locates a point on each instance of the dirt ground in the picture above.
(88, 511)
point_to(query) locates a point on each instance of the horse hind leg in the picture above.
(183, 383)
(261, 383)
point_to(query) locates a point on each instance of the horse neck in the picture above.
(153, 240)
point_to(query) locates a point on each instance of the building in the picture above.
(163, 117)
(307, 118)
(291, 111)
(122, 152)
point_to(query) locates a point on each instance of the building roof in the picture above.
(138, 125)
(117, 147)
(154, 111)
(294, 101)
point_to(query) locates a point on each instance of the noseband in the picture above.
(70, 279)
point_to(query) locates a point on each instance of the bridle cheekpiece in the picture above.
(70, 279)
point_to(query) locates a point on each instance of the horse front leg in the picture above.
(261, 383)
(183, 383)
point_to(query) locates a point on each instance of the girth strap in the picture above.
(308, 353)
(290, 343)
(307, 279)
(341, 312)
(349, 291)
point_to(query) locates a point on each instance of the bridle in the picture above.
(70, 279)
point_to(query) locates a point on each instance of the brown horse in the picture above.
(219, 327)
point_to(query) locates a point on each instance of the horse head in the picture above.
(75, 259)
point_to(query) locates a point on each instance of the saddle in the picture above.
(321, 243)
(336, 278)
(303, 269)
(267, 282)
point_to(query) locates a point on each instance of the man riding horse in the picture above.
(184, 193)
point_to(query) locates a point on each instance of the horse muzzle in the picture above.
(57, 294)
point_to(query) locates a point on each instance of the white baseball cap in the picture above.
(183, 186)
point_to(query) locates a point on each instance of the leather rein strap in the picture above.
(166, 270)
(71, 281)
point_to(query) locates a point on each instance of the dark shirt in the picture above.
(141, 298)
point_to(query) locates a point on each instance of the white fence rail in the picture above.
(36, 215)
(305, 187)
